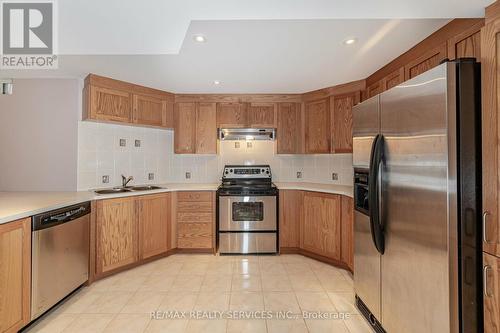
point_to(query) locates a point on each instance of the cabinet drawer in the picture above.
(194, 217)
(193, 206)
(194, 196)
(194, 236)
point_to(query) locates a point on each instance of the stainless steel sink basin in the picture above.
(144, 188)
(112, 191)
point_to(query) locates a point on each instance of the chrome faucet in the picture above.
(126, 180)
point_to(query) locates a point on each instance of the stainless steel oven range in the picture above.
(247, 209)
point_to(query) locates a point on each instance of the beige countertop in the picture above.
(18, 205)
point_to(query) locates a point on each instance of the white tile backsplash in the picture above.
(99, 153)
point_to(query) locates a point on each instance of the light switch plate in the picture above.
(105, 179)
(335, 176)
(151, 176)
(123, 142)
(188, 175)
(137, 143)
(299, 174)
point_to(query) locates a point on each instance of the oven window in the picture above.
(248, 211)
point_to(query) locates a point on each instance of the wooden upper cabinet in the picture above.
(467, 44)
(393, 79)
(490, 68)
(15, 276)
(231, 115)
(206, 128)
(154, 217)
(428, 60)
(317, 127)
(491, 293)
(110, 105)
(347, 228)
(110, 100)
(116, 234)
(321, 229)
(375, 89)
(184, 128)
(261, 115)
(289, 129)
(150, 111)
(341, 122)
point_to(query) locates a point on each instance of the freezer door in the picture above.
(419, 204)
(366, 125)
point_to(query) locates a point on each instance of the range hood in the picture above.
(247, 134)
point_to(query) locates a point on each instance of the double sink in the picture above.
(128, 189)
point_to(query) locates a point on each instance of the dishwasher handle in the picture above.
(60, 216)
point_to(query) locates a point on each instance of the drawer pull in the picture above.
(486, 269)
(485, 234)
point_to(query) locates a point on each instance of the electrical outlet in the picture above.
(105, 179)
(137, 143)
(335, 176)
(299, 174)
(123, 142)
(151, 176)
(249, 144)
(188, 175)
(236, 144)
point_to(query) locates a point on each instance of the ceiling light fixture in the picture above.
(350, 41)
(199, 38)
(216, 82)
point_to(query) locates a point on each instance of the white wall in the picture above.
(38, 135)
(100, 154)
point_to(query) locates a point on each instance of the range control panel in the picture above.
(247, 172)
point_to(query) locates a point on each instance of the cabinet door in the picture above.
(15, 277)
(231, 115)
(393, 79)
(150, 111)
(206, 128)
(348, 231)
(195, 220)
(466, 44)
(490, 68)
(262, 115)
(289, 129)
(317, 127)
(320, 228)
(116, 234)
(341, 118)
(184, 128)
(153, 213)
(491, 296)
(290, 211)
(110, 105)
(427, 61)
(375, 88)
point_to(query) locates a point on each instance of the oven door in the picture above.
(247, 213)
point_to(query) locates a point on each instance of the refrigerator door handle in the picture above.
(376, 159)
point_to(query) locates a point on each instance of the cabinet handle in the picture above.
(486, 269)
(485, 234)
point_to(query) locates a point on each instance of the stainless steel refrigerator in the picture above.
(417, 161)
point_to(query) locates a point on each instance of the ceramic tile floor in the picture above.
(205, 284)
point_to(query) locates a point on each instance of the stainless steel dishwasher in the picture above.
(60, 255)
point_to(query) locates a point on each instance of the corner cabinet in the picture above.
(109, 100)
(195, 128)
(321, 225)
(15, 275)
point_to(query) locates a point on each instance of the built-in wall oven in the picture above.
(247, 208)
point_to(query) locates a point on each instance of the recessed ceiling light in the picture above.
(350, 41)
(216, 82)
(199, 38)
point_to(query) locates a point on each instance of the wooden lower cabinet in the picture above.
(15, 275)
(321, 225)
(153, 213)
(290, 213)
(195, 220)
(347, 234)
(116, 234)
(491, 296)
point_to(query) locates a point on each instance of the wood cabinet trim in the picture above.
(439, 52)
